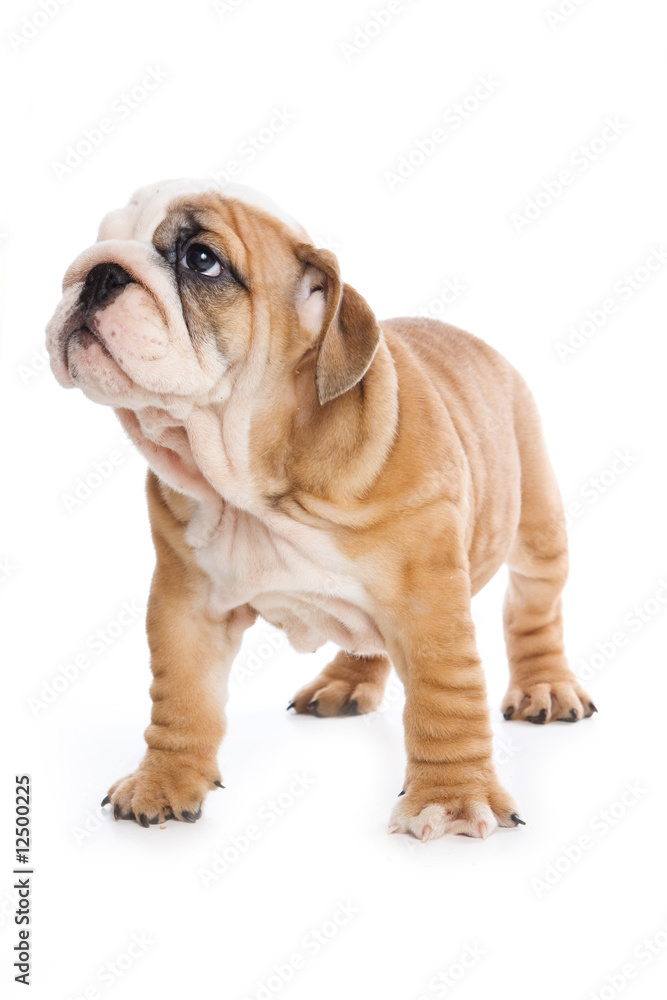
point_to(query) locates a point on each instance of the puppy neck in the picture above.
(325, 458)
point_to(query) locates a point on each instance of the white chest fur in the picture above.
(290, 573)
(293, 576)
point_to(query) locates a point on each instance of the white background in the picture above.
(538, 923)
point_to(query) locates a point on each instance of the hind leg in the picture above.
(350, 685)
(542, 687)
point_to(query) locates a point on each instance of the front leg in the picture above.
(451, 785)
(191, 655)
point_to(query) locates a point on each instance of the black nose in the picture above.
(103, 283)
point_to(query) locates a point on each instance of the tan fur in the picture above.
(345, 479)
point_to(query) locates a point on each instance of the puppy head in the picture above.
(191, 291)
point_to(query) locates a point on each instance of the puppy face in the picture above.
(189, 290)
(160, 308)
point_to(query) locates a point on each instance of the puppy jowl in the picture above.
(289, 481)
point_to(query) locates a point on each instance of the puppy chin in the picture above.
(93, 370)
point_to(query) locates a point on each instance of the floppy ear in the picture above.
(349, 329)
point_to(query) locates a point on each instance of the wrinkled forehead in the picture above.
(151, 206)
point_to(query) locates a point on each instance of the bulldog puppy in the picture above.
(344, 479)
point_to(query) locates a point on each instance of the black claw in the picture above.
(143, 819)
(592, 707)
(219, 784)
(508, 713)
(191, 817)
(401, 793)
(116, 811)
(291, 705)
(312, 705)
(517, 821)
(352, 708)
(538, 720)
(105, 801)
(572, 717)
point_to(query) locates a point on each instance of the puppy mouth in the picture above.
(84, 337)
(80, 339)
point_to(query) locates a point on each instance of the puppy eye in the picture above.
(201, 258)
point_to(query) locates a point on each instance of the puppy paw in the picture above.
(348, 686)
(162, 788)
(558, 701)
(473, 814)
(336, 698)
